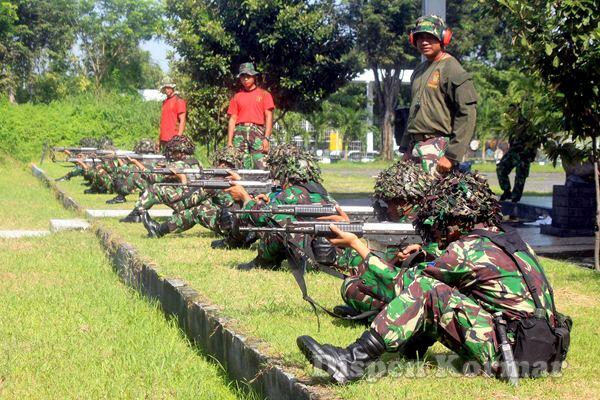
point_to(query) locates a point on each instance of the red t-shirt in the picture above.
(251, 106)
(169, 124)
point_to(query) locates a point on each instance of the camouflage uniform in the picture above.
(299, 174)
(520, 155)
(272, 247)
(427, 152)
(249, 141)
(442, 112)
(206, 214)
(453, 297)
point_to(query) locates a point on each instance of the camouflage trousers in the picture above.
(102, 182)
(427, 152)
(205, 214)
(179, 198)
(513, 160)
(273, 248)
(249, 141)
(422, 306)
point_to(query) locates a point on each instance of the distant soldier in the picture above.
(521, 153)
(250, 119)
(174, 109)
(443, 108)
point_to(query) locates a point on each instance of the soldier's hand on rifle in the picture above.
(347, 239)
(342, 217)
(408, 250)
(238, 193)
(265, 146)
(233, 176)
(444, 165)
(182, 177)
(67, 152)
(262, 197)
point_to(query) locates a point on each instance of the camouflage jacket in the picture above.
(294, 194)
(483, 271)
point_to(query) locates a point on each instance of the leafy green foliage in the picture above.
(559, 40)
(301, 48)
(110, 31)
(25, 128)
(381, 27)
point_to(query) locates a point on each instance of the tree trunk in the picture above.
(596, 184)
(387, 133)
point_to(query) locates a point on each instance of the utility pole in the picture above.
(435, 7)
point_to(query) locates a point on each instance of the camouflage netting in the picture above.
(290, 164)
(404, 181)
(227, 155)
(461, 200)
(105, 143)
(179, 144)
(88, 142)
(145, 146)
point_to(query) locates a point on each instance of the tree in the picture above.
(38, 42)
(109, 33)
(559, 40)
(302, 48)
(381, 28)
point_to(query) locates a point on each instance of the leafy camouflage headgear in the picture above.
(88, 142)
(179, 144)
(404, 181)
(459, 199)
(145, 146)
(290, 164)
(105, 142)
(227, 155)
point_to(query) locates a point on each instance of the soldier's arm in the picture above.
(464, 101)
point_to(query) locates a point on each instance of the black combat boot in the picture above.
(155, 230)
(133, 217)
(220, 244)
(344, 365)
(66, 177)
(259, 263)
(345, 310)
(116, 200)
(505, 196)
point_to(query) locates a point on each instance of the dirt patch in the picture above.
(566, 295)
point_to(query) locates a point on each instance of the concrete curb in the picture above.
(200, 321)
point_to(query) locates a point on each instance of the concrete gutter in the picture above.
(200, 320)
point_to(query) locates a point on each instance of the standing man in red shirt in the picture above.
(250, 119)
(172, 120)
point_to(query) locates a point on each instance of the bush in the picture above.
(24, 128)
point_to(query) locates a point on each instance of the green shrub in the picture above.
(24, 128)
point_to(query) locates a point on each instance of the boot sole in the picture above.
(309, 350)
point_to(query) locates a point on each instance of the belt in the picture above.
(249, 124)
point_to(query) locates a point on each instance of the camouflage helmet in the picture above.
(404, 181)
(145, 146)
(105, 143)
(227, 155)
(179, 144)
(88, 142)
(290, 164)
(459, 199)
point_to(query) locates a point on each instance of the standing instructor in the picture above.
(174, 109)
(250, 119)
(443, 108)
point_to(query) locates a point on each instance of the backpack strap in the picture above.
(511, 243)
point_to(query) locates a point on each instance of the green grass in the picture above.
(268, 305)
(490, 166)
(70, 329)
(24, 202)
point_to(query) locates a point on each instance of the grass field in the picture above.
(70, 329)
(268, 305)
